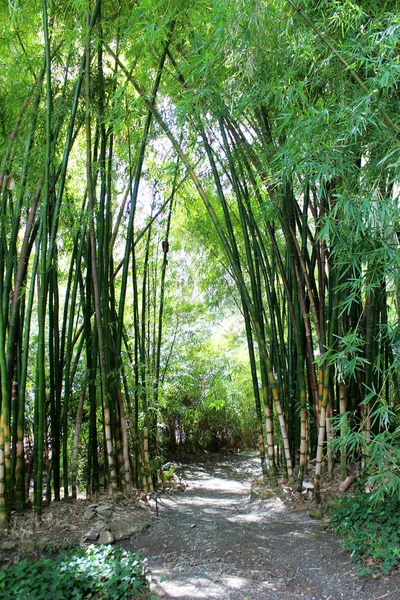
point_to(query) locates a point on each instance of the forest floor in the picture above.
(213, 542)
(214, 538)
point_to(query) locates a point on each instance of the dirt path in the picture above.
(211, 542)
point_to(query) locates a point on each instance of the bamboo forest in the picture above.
(199, 251)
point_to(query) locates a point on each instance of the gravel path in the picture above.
(211, 542)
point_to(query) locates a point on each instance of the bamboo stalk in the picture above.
(41, 375)
(134, 193)
(236, 269)
(95, 281)
(75, 450)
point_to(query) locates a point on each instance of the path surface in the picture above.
(211, 542)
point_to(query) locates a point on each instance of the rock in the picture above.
(27, 545)
(43, 545)
(267, 494)
(138, 528)
(104, 511)
(88, 514)
(9, 545)
(119, 535)
(307, 485)
(91, 536)
(99, 526)
(254, 495)
(316, 514)
(301, 508)
(106, 537)
(103, 508)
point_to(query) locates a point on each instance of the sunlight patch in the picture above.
(237, 583)
(197, 588)
(202, 588)
(201, 501)
(227, 485)
(250, 518)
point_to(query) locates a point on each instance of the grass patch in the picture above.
(371, 531)
(98, 572)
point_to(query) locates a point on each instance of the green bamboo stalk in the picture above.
(258, 242)
(325, 399)
(96, 290)
(5, 508)
(158, 340)
(135, 190)
(136, 368)
(23, 258)
(62, 414)
(69, 142)
(20, 459)
(236, 269)
(343, 412)
(321, 436)
(165, 248)
(54, 358)
(268, 415)
(125, 440)
(41, 374)
(183, 157)
(149, 223)
(143, 355)
(91, 354)
(255, 287)
(78, 424)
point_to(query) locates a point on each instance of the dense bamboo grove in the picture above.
(278, 126)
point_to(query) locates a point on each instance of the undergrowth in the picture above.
(371, 531)
(101, 572)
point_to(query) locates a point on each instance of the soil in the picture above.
(214, 542)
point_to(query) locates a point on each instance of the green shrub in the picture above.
(105, 572)
(380, 452)
(370, 530)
